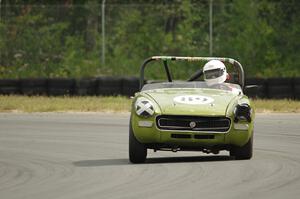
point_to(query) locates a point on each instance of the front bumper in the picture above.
(146, 131)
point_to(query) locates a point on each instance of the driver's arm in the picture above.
(196, 75)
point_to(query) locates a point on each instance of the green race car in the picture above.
(191, 115)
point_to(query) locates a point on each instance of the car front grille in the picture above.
(192, 123)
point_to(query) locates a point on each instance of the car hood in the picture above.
(192, 101)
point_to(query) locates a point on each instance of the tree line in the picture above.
(64, 38)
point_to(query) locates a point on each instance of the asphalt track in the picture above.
(62, 156)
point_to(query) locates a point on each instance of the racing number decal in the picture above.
(193, 99)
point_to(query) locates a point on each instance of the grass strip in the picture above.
(277, 106)
(113, 104)
(64, 104)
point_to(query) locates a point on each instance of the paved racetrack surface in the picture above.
(62, 156)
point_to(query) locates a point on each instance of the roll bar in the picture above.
(165, 59)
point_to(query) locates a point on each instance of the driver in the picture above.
(215, 74)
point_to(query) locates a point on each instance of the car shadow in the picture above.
(211, 158)
(103, 162)
(157, 160)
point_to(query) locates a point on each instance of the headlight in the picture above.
(242, 112)
(143, 107)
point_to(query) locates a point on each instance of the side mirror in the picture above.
(251, 90)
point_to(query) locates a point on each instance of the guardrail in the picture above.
(277, 88)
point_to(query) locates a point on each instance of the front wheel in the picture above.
(244, 152)
(137, 151)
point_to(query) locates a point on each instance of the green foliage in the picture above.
(63, 38)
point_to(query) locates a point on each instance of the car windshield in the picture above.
(197, 84)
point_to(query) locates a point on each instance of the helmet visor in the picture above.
(212, 74)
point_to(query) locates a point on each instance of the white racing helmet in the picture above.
(214, 72)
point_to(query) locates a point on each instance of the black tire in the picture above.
(109, 86)
(9, 82)
(85, 87)
(243, 153)
(297, 92)
(130, 86)
(279, 88)
(9, 86)
(137, 151)
(297, 88)
(61, 86)
(34, 86)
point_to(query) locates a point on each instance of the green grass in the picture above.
(64, 104)
(282, 106)
(110, 104)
